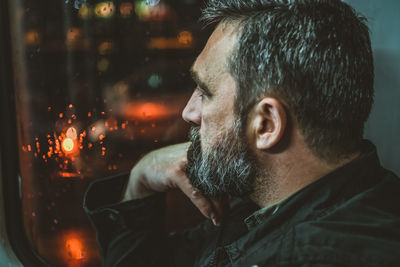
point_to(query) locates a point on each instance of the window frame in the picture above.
(9, 143)
(9, 153)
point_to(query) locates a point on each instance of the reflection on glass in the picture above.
(99, 83)
(84, 11)
(104, 9)
(126, 9)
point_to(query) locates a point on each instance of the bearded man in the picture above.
(283, 91)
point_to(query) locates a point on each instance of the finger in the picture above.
(221, 207)
(204, 204)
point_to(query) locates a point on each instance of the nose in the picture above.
(192, 112)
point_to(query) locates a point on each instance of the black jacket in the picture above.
(350, 217)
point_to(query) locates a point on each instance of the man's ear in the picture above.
(268, 123)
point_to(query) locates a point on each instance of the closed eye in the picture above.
(201, 86)
(203, 92)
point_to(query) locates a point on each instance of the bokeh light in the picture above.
(71, 133)
(103, 65)
(152, 10)
(155, 80)
(185, 38)
(84, 11)
(104, 9)
(105, 48)
(32, 38)
(68, 144)
(74, 248)
(73, 35)
(126, 9)
(152, 2)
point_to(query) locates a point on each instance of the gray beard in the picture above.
(229, 167)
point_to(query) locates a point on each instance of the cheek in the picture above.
(208, 130)
(204, 133)
(217, 116)
(213, 125)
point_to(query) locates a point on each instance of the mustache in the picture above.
(194, 134)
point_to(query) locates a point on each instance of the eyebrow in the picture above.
(202, 86)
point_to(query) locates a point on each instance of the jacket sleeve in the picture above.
(133, 233)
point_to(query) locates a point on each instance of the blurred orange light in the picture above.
(181, 42)
(69, 174)
(74, 248)
(69, 142)
(185, 38)
(32, 38)
(148, 111)
(73, 35)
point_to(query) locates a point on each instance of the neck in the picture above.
(292, 171)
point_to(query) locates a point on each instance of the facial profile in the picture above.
(220, 162)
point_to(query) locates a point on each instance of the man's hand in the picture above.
(162, 170)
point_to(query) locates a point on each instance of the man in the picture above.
(283, 91)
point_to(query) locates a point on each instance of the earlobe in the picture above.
(270, 122)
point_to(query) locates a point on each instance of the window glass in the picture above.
(97, 84)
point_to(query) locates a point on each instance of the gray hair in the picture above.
(314, 55)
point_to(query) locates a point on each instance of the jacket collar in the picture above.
(312, 201)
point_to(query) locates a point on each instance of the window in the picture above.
(97, 85)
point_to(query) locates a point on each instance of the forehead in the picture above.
(212, 61)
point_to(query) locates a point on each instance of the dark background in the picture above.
(383, 126)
